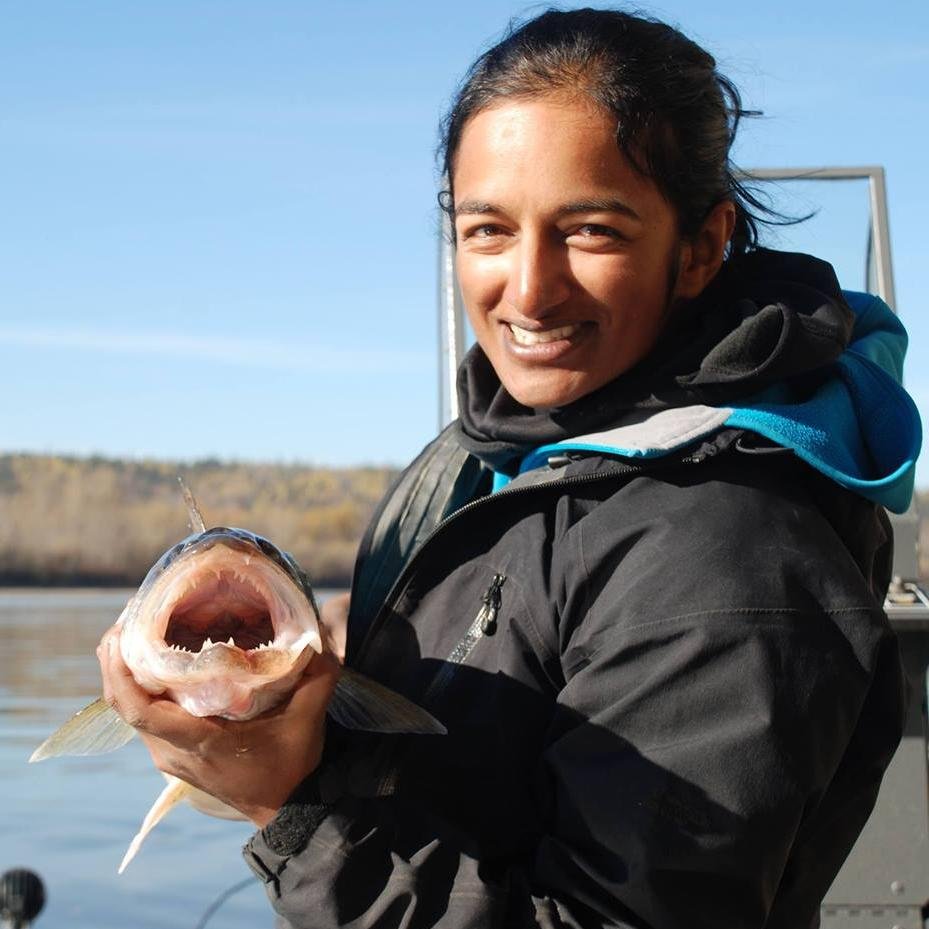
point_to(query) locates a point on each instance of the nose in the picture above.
(537, 278)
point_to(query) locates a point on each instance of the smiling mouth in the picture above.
(222, 606)
(541, 337)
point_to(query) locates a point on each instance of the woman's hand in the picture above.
(252, 765)
(334, 624)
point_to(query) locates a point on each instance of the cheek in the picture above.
(482, 281)
(630, 292)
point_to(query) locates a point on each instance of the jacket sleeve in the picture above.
(690, 766)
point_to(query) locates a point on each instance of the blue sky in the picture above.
(218, 232)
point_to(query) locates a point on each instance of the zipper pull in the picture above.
(491, 601)
(558, 461)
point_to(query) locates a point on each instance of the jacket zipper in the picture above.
(487, 615)
(485, 624)
(403, 580)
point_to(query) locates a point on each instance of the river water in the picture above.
(71, 819)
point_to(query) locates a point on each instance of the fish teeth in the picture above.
(231, 642)
(207, 643)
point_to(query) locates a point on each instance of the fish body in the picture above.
(224, 624)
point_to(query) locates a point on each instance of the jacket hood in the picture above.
(772, 345)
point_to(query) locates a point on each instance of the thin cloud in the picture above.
(255, 353)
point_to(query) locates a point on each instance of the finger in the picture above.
(334, 623)
(110, 635)
(321, 673)
(111, 663)
(155, 715)
(314, 689)
(122, 615)
(308, 700)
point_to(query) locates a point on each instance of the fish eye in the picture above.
(267, 548)
(295, 571)
(172, 553)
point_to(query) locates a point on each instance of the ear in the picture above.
(702, 256)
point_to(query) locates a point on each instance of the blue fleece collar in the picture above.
(860, 428)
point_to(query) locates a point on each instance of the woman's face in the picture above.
(567, 258)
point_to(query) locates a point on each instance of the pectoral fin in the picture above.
(169, 798)
(96, 729)
(360, 703)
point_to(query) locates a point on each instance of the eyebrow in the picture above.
(594, 205)
(473, 207)
(599, 205)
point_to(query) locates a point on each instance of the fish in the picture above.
(224, 624)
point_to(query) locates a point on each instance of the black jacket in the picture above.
(670, 690)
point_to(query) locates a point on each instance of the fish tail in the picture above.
(174, 792)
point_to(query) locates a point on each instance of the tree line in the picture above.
(95, 521)
(69, 521)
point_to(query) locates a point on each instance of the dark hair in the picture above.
(676, 114)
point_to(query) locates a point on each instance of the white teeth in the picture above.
(525, 337)
(231, 642)
(207, 642)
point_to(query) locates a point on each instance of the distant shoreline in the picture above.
(322, 592)
(98, 523)
(91, 582)
(68, 522)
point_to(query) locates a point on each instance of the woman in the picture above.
(636, 585)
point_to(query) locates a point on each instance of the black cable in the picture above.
(221, 899)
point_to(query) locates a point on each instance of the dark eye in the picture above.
(593, 230)
(268, 548)
(484, 231)
(172, 553)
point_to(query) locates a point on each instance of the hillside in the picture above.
(96, 521)
(72, 521)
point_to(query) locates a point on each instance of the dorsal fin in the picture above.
(193, 510)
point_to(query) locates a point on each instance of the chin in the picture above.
(543, 396)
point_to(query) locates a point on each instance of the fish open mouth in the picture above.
(220, 606)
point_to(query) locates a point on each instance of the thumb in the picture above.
(315, 688)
